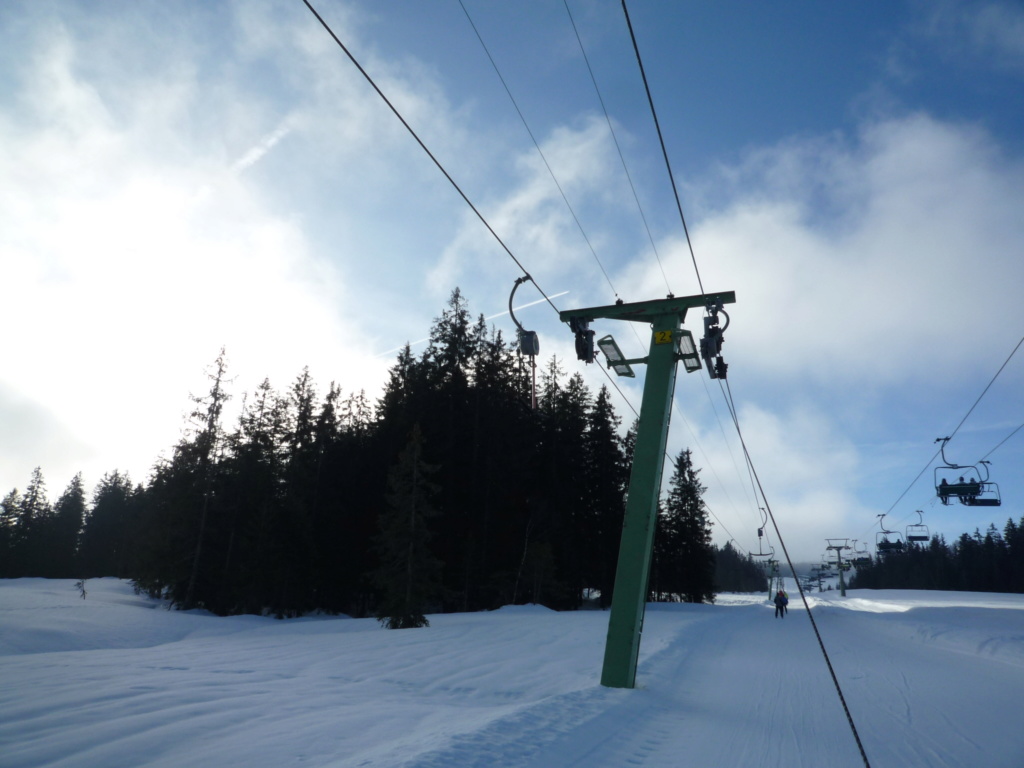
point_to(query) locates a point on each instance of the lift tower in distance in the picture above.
(838, 546)
(669, 344)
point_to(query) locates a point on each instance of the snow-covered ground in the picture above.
(931, 679)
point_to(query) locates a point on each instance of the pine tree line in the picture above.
(70, 537)
(448, 494)
(993, 562)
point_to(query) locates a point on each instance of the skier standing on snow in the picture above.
(780, 604)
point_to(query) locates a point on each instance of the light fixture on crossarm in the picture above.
(616, 360)
(687, 352)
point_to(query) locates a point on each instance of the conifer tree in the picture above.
(31, 528)
(106, 543)
(451, 345)
(735, 573)
(9, 507)
(550, 386)
(356, 468)
(567, 524)
(283, 514)
(1013, 535)
(400, 387)
(294, 528)
(207, 443)
(356, 413)
(68, 519)
(254, 483)
(409, 574)
(687, 557)
(183, 527)
(605, 479)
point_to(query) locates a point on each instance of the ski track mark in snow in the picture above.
(518, 738)
(618, 727)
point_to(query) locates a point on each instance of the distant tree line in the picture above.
(448, 494)
(993, 562)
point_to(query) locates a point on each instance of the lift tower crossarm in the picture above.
(665, 317)
(646, 311)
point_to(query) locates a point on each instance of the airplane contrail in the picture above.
(264, 145)
(524, 306)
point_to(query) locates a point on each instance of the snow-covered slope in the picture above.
(931, 679)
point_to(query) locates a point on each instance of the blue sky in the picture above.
(179, 177)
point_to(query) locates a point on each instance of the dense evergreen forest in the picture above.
(992, 562)
(450, 493)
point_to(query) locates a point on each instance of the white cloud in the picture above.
(809, 472)
(173, 185)
(990, 31)
(532, 218)
(129, 264)
(869, 275)
(868, 264)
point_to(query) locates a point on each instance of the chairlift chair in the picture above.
(886, 541)
(861, 557)
(766, 559)
(970, 484)
(917, 533)
(987, 492)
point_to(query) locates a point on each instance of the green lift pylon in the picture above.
(669, 344)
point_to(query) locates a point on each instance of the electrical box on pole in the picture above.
(668, 345)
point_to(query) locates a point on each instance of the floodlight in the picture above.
(688, 352)
(616, 360)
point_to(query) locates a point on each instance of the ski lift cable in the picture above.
(690, 244)
(803, 596)
(618, 148)
(727, 532)
(423, 146)
(536, 144)
(661, 139)
(484, 221)
(579, 225)
(447, 175)
(709, 464)
(454, 183)
(540, 152)
(953, 433)
(999, 445)
(664, 151)
(987, 386)
(749, 464)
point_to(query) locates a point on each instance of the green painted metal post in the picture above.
(630, 596)
(665, 318)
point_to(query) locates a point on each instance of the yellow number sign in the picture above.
(663, 337)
